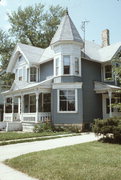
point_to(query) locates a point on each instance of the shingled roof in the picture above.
(66, 31)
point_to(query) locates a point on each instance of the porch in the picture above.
(111, 94)
(28, 108)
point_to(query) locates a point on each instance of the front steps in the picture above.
(28, 126)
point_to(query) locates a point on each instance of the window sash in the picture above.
(47, 102)
(108, 71)
(67, 100)
(32, 102)
(33, 74)
(66, 64)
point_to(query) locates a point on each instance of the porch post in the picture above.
(37, 106)
(110, 97)
(22, 106)
(12, 108)
(4, 108)
(19, 105)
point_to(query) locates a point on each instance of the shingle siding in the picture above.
(46, 70)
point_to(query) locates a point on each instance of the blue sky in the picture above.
(102, 14)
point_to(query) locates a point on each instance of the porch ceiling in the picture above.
(101, 87)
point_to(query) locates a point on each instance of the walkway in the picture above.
(14, 150)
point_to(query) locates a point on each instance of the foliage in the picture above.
(6, 48)
(110, 128)
(87, 161)
(43, 127)
(34, 25)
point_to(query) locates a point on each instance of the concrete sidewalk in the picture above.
(10, 151)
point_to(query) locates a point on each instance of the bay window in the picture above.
(67, 100)
(66, 64)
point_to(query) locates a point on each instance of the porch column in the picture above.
(37, 106)
(22, 106)
(4, 108)
(12, 109)
(110, 97)
(19, 102)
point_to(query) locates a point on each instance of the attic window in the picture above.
(20, 74)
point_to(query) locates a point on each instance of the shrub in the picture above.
(74, 129)
(109, 128)
(42, 127)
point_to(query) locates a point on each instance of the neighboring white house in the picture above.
(61, 83)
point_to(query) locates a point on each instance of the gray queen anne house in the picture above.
(63, 83)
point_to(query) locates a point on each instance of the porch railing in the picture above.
(44, 116)
(8, 117)
(28, 117)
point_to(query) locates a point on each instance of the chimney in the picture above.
(105, 38)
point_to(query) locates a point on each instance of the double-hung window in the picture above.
(33, 74)
(66, 64)
(47, 102)
(32, 103)
(108, 71)
(76, 66)
(67, 101)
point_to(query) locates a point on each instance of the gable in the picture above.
(14, 59)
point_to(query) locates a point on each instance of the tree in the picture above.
(31, 25)
(34, 25)
(6, 48)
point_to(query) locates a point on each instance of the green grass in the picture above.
(15, 135)
(88, 161)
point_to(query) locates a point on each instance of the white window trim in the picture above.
(36, 75)
(58, 102)
(104, 78)
(70, 65)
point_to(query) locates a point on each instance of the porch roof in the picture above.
(39, 85)
(101, 87)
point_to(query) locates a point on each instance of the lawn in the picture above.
(88, 161)
(15, 135)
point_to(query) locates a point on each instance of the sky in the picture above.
(101, 14)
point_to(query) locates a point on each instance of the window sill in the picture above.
(67, 112)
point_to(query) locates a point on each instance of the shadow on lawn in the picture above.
(110, 140)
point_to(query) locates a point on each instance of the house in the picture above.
(63, 83)
(1, 97)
